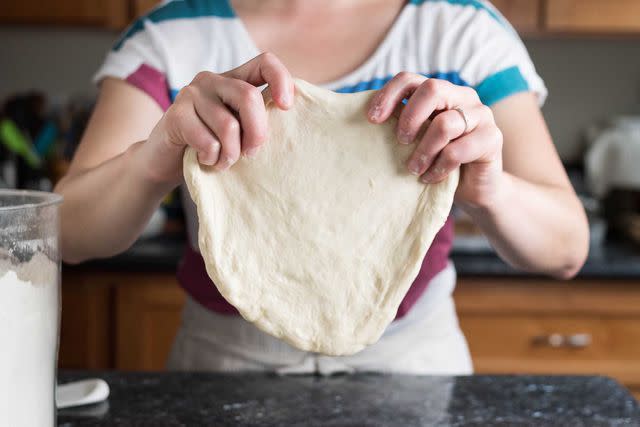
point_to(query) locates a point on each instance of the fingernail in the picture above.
(251, 152)
(205, 162)
(223, 163)
(414, 167)
(417, 164)
(427, 178)
(374, 114)
(215, 147)
(286, 99)
(404, 138)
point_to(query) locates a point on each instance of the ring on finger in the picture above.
(464, 117)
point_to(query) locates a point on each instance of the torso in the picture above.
(322, 53)
(365, 45)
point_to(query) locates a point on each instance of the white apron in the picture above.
(426, 341)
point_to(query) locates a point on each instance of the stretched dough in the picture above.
(317, 239)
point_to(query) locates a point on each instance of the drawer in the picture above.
(555, 344)
(593, 16)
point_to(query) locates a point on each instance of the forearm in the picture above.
(535, 228)
(106, 208)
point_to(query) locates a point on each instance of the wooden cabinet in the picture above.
(141, 7)
(524, 15)
(115, 14)
(572, 17)
(148, 311)
(558, 17)
(113, 320)
(96, 13)
(547, 327)
(86, 329)
(592, 16)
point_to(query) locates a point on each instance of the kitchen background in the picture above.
(589, 79)
(123, 312)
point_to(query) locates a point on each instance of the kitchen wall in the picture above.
(588, 79)
(58, 61)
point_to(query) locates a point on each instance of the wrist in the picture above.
(145, 168)
(495, 200)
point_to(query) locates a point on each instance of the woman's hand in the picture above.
(470, 139)
(222, 116)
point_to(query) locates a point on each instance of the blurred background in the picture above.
(123, 312)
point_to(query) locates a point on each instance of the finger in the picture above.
(193, 132)
(211, 153)
(224, 126)
(248, 102)
(445, 127)
(267, 69)
(483, 144)
(384, 102)
(432, 96)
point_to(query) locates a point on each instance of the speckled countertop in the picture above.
(163, 254)
(198, 399)
(610, 261)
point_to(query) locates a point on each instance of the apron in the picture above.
(426, 341)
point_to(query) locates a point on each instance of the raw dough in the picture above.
(317, 238)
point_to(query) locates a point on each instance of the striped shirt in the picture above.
(466, 42)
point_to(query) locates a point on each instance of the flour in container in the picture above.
(29, 317)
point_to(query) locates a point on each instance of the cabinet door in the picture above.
(555, 344)
(101, 13)
(524, 15)
(593, 16)
(148, 310)
(541, 326)
(86, 327)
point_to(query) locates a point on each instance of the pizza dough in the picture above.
(317, 239)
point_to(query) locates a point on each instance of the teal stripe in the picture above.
(179, 9)
(501, 85)
(494, 88)
(377, 83)
(473, 3)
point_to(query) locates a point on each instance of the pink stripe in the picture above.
(152, 82)
(192, 275)
(434, 262)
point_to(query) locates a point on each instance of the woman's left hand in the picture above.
(468, 138)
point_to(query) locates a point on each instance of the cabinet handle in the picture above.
(578, 340)
(556, 340)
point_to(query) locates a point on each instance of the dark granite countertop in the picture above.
(610, 261)
(613, 260)
(162, 253)
(198, 399)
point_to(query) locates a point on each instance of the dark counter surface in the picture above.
(197, 399)
(162, 253)
(613, 260)
(610, 261)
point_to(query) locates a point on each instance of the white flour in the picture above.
(29, 316)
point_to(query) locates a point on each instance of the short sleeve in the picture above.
(487, 52)
(137, 58)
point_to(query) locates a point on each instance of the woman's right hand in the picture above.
(222, 116)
